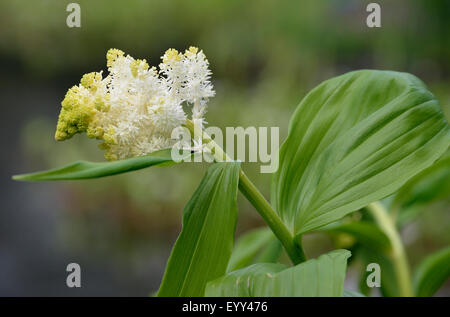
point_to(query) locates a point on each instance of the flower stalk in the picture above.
(397, 254)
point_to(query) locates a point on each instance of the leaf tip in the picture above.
(20, 177)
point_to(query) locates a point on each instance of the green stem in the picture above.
(248, 189)
(254, 196)
(398, 254)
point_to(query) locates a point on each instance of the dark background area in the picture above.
(265, 56)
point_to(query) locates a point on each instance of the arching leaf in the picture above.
(429, 185)
(365, 233)
(86, 170)
(432, 273)
(248, 246)
(323, 276)
(355, 139)
(203, 249)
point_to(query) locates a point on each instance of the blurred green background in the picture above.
(265, 56)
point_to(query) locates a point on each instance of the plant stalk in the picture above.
(254, 196)
(398, 254)
(248, 189)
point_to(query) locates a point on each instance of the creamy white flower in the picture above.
(187, 77)
(135, 108)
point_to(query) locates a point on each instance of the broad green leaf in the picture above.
(203, 249)
(355, 139)
(366, 233)
(323, 276)
(85, 170)
(432, 273)
(431, 184)
(248, 246)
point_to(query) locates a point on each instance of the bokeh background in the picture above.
(265, 56)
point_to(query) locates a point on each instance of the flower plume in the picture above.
(135, 108)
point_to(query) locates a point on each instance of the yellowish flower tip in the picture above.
(111, 156)
(91, 81)
(101, 104)
(79, 108)
(75, 115)
(112, 55)
(138, 64)
(191, 51)
(94, 131)
(104, 146)
(171, 55)
(109, 136)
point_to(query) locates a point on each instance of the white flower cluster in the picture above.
(135, 108)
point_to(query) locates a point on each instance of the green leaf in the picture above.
(348, 293)
(432, 273)
(366, 233)
(355, 139)
(85, 170)
(203, 249)
(362, 283)
(323, 276)
(248, 246)
(388, 285)
(431, 184)
(271, 253)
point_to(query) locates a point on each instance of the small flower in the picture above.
(135, 108)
